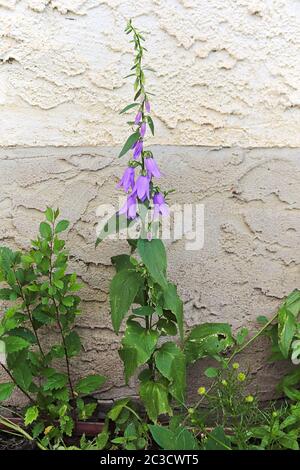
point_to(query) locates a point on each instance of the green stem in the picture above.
(238, 351)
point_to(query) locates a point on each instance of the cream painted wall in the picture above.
(228, 71)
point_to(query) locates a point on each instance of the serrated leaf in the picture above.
(138, 345)
(23, 375)
(73, 344)
(154, 257)
(6, 390)
(123, 290)
(55, 381)
(15, 344)
(31, 415)
(170, 361)
(155, 398)
(90, 384)
(177, 439)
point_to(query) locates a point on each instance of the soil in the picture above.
(11, 442)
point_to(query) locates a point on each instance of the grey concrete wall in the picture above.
(249, 262)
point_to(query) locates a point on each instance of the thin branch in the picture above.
(17, 385)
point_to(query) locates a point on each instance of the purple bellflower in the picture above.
(143, 129)
(127, 180)
(152, 168)
(142, 188)
(138, 148)
(138, 117)
(130, 207)
(160, 206)
(147, 106)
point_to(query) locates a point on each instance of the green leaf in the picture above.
(73, 344)
(117, 408)
(49, 214)
(114, 225)
(132, 139)
(217, 440)
(62, 226)
(23, 333)
(173, 302)
(286, 330)
(37, 429)
(290, 384)
(45, 230)
(211, 372)
(144, 311)
(102, 440)
(68, 301)
(138, 345)
(129, 106)
(23, 375)
(123, 289)
(90, 384)
(31, 415)
(262, 319)
(55, 381)
(242, 335)
(15, 343)
(151, 124)
(155, 398)
(179, 439)
(154, 257)
(6, 390)
(208, 339)
(170, 361)
(122, 262)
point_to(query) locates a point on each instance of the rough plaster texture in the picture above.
(249, 262)
(227, 71)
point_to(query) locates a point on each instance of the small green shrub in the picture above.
(37, 332)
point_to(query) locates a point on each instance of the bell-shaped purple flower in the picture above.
(138, 117)
(138, 149)
(160, 206)
(143, 129)
(127, 180)
(130, 207)
(147, 106)
(142, 188)
(152, 168)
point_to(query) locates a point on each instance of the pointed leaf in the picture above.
(154, 257)
(132, 139)
(123, 290)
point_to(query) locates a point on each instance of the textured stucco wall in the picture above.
(228, 72)
(250, 259)
(227, 98)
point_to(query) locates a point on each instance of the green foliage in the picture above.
(179, 438)
(43, 296)
(208, 339)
